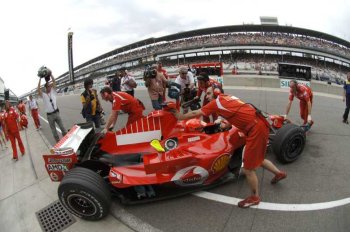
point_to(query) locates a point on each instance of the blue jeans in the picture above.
(94, 118)
(156, 103)
(346, 113)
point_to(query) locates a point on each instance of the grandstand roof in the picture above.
(218, 30)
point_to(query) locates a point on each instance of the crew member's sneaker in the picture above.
(15, 159)
(249, 201)
(278, 177)
(345, 121)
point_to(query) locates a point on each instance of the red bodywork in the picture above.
(197, 159)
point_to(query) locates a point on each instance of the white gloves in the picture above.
(309, 119)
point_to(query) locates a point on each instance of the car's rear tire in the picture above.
(85, 194)
(288, 143)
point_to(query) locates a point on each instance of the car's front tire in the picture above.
(85, 194)
(288, 143)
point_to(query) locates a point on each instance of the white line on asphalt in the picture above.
(48, 123)
(275, 206)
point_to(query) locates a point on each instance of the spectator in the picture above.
(50, 104)
(11, 126)
(91, 105)
(165, 74)
(116, 81)
(186, 80)
(155, 82)
(304, 94)
(127, 83)
(346, 97)
(34, 109)
(121, 101)
(253, 125)
(204, 82)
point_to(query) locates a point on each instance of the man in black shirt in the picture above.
(115, 83)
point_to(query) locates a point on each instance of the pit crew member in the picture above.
(304, 94)
(11, 126)
(204, 82)
(253, 125)
(121, 101)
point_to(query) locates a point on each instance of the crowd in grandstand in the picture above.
(227, 39)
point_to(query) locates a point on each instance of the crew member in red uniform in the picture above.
(21, 107)
(253, 125)
(304, 94)
(23, 121)
(165, 73)
(204, 82)
(121, 101)
(11, 126)
(34, 109)
(22, 110)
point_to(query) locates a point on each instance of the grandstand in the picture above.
(246, 48)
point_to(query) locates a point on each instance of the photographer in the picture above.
(155, 83)
(50, 104)
(91, 105)
(186, 80)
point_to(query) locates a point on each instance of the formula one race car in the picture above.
(153, 158)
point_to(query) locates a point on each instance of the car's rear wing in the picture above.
(64, 155)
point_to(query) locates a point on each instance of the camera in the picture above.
(150, 72)
(44, 72)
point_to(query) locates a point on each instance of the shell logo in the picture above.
(220, 163)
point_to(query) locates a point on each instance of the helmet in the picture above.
(194, 124)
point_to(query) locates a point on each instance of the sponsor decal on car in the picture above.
(60, 160)
(192, 139)
(54, 176)
(194, 175)
(220, 163)
(57, 167)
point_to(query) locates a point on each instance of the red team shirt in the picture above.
(21, 108)
(244, 117)
(10, 119)
(127, 103)
(303, 93)
(232, 109)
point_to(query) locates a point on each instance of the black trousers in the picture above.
(346, 113)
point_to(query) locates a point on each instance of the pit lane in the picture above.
(320, 175)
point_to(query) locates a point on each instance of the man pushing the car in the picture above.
(246, 118)
(304, 94)
(121, 101)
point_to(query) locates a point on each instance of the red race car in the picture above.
(153, 158)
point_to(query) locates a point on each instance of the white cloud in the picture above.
(34, 33)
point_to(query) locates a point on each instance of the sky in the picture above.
(34, 33)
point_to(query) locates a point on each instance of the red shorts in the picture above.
(255, 147)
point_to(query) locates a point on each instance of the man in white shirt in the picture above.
(50, 104)
(34, 109)
(186, 80)
(125, 83)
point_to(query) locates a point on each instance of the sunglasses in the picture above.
(184, 73)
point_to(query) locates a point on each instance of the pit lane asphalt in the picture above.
(321, 174)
